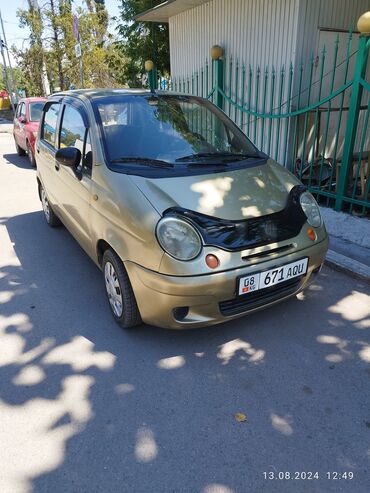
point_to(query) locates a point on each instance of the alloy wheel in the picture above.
(45, 205)
(113, 289)
(31, 157)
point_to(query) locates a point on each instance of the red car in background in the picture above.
(26, 125)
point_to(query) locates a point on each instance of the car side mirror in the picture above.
(68, 156)
(22, 119)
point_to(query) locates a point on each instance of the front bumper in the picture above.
(212, 299)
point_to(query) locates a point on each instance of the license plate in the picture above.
(262, 280)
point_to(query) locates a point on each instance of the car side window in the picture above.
(49, 125)
(73, 133)
(23, 110)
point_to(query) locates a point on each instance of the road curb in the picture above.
(349, 266)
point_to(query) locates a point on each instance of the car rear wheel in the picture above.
(31, 155)
(119, 291)
(51, 218)
(20, 151)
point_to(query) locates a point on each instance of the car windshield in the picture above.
(181, 130)
(35, 110)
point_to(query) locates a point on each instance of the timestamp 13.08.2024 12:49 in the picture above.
(308, 475)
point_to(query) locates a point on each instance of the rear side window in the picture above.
(35, 111)
(50, 124)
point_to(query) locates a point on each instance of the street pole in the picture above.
(76, 34)
(217, 59)
(7, 52)
(81, 72)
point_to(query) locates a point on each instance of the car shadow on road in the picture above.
(90, 407)
(19, 161)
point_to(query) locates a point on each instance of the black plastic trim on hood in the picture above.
(247, 233)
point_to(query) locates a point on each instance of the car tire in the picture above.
(119, 291)
(51, 218)
(31, 155)
(20, 151)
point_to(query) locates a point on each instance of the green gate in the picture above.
(314, 118)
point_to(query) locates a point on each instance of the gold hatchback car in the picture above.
(190, 223)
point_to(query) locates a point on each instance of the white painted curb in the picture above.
(348, 265)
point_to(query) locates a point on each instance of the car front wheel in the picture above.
(119, 291)
(20, 151)
(31, 155)
(51, 218)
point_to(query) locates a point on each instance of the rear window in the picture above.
(35, 111)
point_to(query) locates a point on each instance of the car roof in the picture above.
(98, 93)
(33, 99)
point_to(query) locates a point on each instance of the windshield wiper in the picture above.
(206, 155)
(155, 163)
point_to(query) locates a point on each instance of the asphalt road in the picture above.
(88, 407)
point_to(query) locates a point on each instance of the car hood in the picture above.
(234, 195)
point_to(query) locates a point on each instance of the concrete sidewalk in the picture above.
(349, 248)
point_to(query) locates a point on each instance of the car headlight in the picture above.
(178, 238)
(311, 209)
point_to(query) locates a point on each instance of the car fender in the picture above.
(123, 219)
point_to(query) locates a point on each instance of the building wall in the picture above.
(254, 31)
(325, 14)
(315, 20)
(271, 34)
(257, 32)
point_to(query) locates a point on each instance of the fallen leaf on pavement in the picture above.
(240, 417)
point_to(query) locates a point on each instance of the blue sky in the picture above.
(16, 35)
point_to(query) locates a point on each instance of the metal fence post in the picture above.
(216, 55)
(353, 114)
(152, 75)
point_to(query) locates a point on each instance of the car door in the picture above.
(46, 148)
(74, 185)
(17, 123)
(22, 127)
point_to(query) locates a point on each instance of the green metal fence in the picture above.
(312, 118)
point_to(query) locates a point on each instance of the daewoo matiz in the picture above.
(189, 222)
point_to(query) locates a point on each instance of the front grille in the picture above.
(267, 253)
(242, 304)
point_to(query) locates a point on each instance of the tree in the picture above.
(51, 53)
(141, 41)
(31, 60)
(15, 74)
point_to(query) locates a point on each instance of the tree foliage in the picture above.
(142, 41)
(51, 52)
(15, 74)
